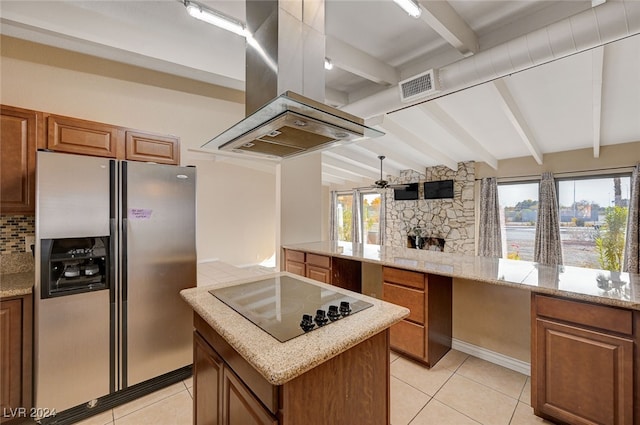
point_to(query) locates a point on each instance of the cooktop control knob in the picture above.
(345, 308)
(321, 318)
(307, 323)
(333, 313)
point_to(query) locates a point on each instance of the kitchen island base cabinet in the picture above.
(352, 387)
(582, 365)
(426, 334)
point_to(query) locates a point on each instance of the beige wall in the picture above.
(580, 160)
(493, 317)
(235, 205)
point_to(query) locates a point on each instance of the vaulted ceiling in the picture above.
(504, 93)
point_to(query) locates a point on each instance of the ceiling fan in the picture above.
(383, 184)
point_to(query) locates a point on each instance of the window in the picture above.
(593, 220)
(371, 210)
(344, 214)
(519, 207)
(370, 220)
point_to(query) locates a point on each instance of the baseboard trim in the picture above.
(492, 356)
(207, 260)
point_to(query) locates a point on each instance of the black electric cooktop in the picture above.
(286, 307)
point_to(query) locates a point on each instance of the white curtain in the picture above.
(489, 238)
(382, 221)
(333, 222)
(547, 247)
(631, 253)
(356, 223)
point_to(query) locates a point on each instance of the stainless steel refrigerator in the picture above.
(115, 244)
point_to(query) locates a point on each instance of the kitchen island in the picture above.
(334, 374)
(584, 324)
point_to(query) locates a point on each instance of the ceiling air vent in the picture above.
(421, 85)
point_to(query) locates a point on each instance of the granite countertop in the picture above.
(16, 284)
(280, 362)
(600, 286)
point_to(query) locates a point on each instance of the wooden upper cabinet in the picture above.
(148, 147)
(18, 142)
(72, 135)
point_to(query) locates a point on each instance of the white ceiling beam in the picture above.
(598, 63)
(443, 19)
(353, 169)
(451, 126)
(368, 152)
(341, 173)
(357, 62)
(329, 179)
(335, 98)
(394, 159)
(418, 143)
(344, 154)
(512, 112)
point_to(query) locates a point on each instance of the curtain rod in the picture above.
(568, 173)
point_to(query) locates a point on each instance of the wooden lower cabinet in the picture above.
(15, 357)
(318, 273)
(341, 272)
(294, 262)
(207, 382)
(352, 387)
(313, 266)
(582, 365)
(425, 335)
(240, 407)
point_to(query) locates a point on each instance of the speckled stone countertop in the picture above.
(600, 286)
(280, 362)
(16, 284)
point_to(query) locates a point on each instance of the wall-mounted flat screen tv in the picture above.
(438, 190)
(408, 193)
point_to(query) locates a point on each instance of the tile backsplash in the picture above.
(13, 229)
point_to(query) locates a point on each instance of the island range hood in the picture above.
(285, 57)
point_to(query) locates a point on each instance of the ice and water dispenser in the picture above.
(74, 265)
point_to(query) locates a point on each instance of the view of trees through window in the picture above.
(371, 203)
(370, 224)
(593, 220)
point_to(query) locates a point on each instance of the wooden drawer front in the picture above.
(147, 147)
(413, 299)
(319, 260)
(82, 137)
(295, 256)
(587, 314)
(408, 337)
(403, 277)
(319, 273)
(296, 268)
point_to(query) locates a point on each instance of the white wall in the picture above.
(236, 207)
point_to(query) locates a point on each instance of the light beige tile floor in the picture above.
(458, 390)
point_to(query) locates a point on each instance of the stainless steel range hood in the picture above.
(280, 122)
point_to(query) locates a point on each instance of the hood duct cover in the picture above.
(280, 122)
(292, 125)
